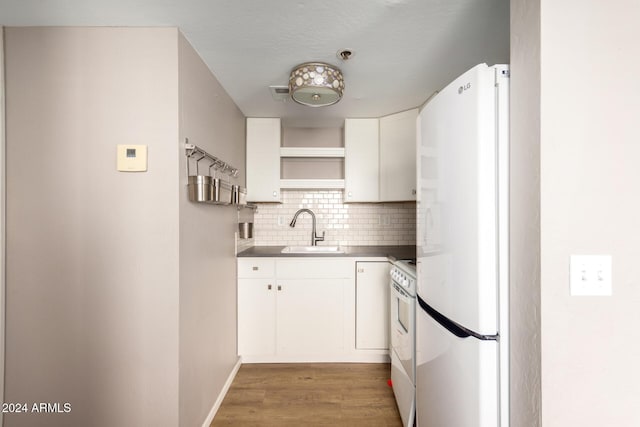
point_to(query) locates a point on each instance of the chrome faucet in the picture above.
(314, 236)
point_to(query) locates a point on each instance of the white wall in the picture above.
(92, 253)
(590, 146)
(210, 119)
(525, 214)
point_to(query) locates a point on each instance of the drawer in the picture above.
(256, 268)
(315, 268)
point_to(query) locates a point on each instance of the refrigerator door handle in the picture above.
(451, 326)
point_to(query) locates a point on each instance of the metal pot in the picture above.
(200, 188)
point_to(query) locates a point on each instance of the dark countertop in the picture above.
(393, 252)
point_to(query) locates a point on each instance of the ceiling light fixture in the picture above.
(316, 84)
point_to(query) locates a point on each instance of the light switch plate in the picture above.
(132, 158)
(590, 275)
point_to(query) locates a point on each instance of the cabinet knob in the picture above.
(255, 268)
(413, 192)
(269, 287)
(349, 194)
(275, 194)
(279, 287)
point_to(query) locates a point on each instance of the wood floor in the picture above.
(310, 394)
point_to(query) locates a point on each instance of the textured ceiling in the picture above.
(404, 49)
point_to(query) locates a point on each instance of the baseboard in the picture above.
(223, 393)
(380, 357)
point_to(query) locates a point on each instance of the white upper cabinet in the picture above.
(377, 163)
(277, 158)
(361, 143)
(398, 156)
(263, 159)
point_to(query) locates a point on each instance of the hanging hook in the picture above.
(216, 163)
(197, 163)
(215, 169)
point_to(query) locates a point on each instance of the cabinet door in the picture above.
(372, 305)
(263, 160)
(311, 316)
(256, 317)
(398, 156)
(361, 144)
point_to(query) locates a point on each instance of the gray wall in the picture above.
(92, 253)
(525, 214)
(590, 146)
(121, 293)
(210, 119)
(2, 219)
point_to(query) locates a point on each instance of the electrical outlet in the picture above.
(590, 275)
(384, 219)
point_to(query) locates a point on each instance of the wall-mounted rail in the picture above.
(207, 188)
(197, 153)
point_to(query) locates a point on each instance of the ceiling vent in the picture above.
(345, 54)
(279, 93)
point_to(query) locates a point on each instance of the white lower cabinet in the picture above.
(372, 304)
(310, 318)
(256, 316)
(256, 306)
(300, 310)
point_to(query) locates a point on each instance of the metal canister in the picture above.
(200, 188)
(220, 192)
(238, 195)
(245, 230)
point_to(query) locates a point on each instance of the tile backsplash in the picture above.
(242, 244)
(349, 224)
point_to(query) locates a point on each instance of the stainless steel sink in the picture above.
(312, 250)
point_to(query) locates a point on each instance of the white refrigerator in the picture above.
(462, 373)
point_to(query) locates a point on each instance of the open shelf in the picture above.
(311, 152)
(325, 184)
